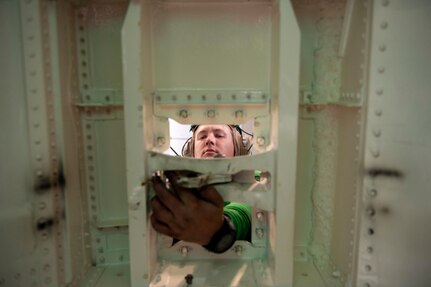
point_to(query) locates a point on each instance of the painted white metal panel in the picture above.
(140, 270)
(31, 221)
(395, 234)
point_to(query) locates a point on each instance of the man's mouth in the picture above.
(210, 152)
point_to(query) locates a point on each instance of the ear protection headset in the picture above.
(242, 146)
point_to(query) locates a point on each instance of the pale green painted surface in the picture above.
(195, 47)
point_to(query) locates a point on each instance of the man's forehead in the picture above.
(207, 128)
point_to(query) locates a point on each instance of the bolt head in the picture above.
(161, 141)
(239, 114)
(261, 141)
(184, 114)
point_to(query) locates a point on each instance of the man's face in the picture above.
(213, 140)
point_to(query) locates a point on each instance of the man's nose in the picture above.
(210, 138)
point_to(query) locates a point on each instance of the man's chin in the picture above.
(210, 154)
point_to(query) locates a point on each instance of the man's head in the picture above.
(210, 141)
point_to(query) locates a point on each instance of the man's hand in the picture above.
(184, 215)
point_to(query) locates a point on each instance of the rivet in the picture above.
(47, 280)
(261, 141)
(381, 70)
(184, 250)
(39, 173)
(375, 153)
(260, 233)
(47, 267)
(248, 95)
(370, 211)
(336, 274)
(161, 141)
(370, 249)
(385, 2)
(218, 97)
(377, 132)
(102, 259)
(384, 25)
(18, 276)
(42, 205)
(367, 285)
(259, 215)
(204, 97)
(382, 48)
(189, 97)
(239, 114)
(30, 38)
(379, 91)
(174, 97)
(211, 113)
(158, 98)
(238, 250)
(38, 157)
(372, 192)
(184, 114)
(378, 112)
(367, 268)
(234, 96)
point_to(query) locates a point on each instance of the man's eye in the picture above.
(219, 135)
(202, 137)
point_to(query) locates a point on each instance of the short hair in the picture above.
(241, 145)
